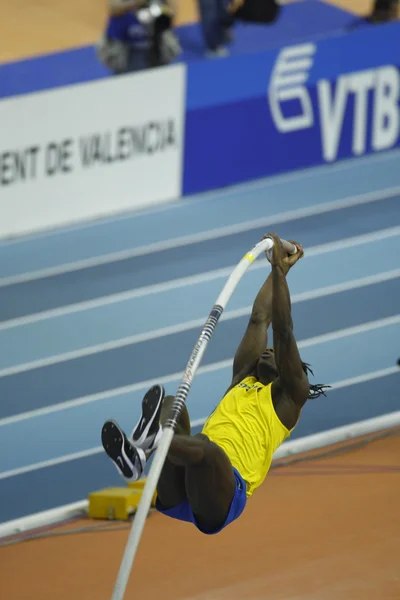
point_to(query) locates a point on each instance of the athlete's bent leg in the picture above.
(171, 489)
(198, 471)
(209, 479)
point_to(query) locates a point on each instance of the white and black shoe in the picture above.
(129, 460)
(148, 431)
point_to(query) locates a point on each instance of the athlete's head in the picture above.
(266, 368)
(267, 372)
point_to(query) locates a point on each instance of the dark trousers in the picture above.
(258, 11)
(214, 22)
(384, 4)
(385, 10)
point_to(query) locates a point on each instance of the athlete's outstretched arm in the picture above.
(292, 380)
(255, 338)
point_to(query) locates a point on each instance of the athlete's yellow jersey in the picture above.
(246, 426)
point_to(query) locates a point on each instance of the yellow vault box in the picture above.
(118, 503)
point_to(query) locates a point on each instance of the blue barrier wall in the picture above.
(305, 92)
(231, 134)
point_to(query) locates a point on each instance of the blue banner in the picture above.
(299, 106)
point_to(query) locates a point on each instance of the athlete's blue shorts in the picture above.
(183, 512)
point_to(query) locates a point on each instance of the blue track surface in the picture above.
(90, 315)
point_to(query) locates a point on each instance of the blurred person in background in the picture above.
(216, 22)
(218, 16)
(255, 11)
(384, 10)
(138, 35)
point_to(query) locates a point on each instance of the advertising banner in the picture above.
(299, 106)
(91, 150)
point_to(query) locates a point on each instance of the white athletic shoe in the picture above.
(148, 431)
(129, 461)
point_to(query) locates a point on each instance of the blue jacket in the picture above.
(127, 28)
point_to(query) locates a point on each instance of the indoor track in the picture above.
(91, 316)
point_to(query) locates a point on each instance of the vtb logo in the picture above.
(288, 79)
(370, 98)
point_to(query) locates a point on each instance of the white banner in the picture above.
(91, 150)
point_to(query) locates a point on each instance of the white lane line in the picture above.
(290, 448)
(44, 518)
(355, 330)
(338, 385)
(92, 451)
(238, 189)
(50, 463)
(203, 236)
(126, 389)
(194, 323)
(367, 238)
(175, 377)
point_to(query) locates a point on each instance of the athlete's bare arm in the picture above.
(255, 338)
(292, 381)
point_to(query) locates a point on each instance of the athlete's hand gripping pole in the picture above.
(180, 399)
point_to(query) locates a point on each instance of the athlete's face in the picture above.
(266, 367)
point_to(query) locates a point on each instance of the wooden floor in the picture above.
(325, 529)
(30, 27)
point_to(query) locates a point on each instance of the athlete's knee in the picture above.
(183, 426)
(188, 451)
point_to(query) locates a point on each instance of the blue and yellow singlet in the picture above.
(246, 426)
